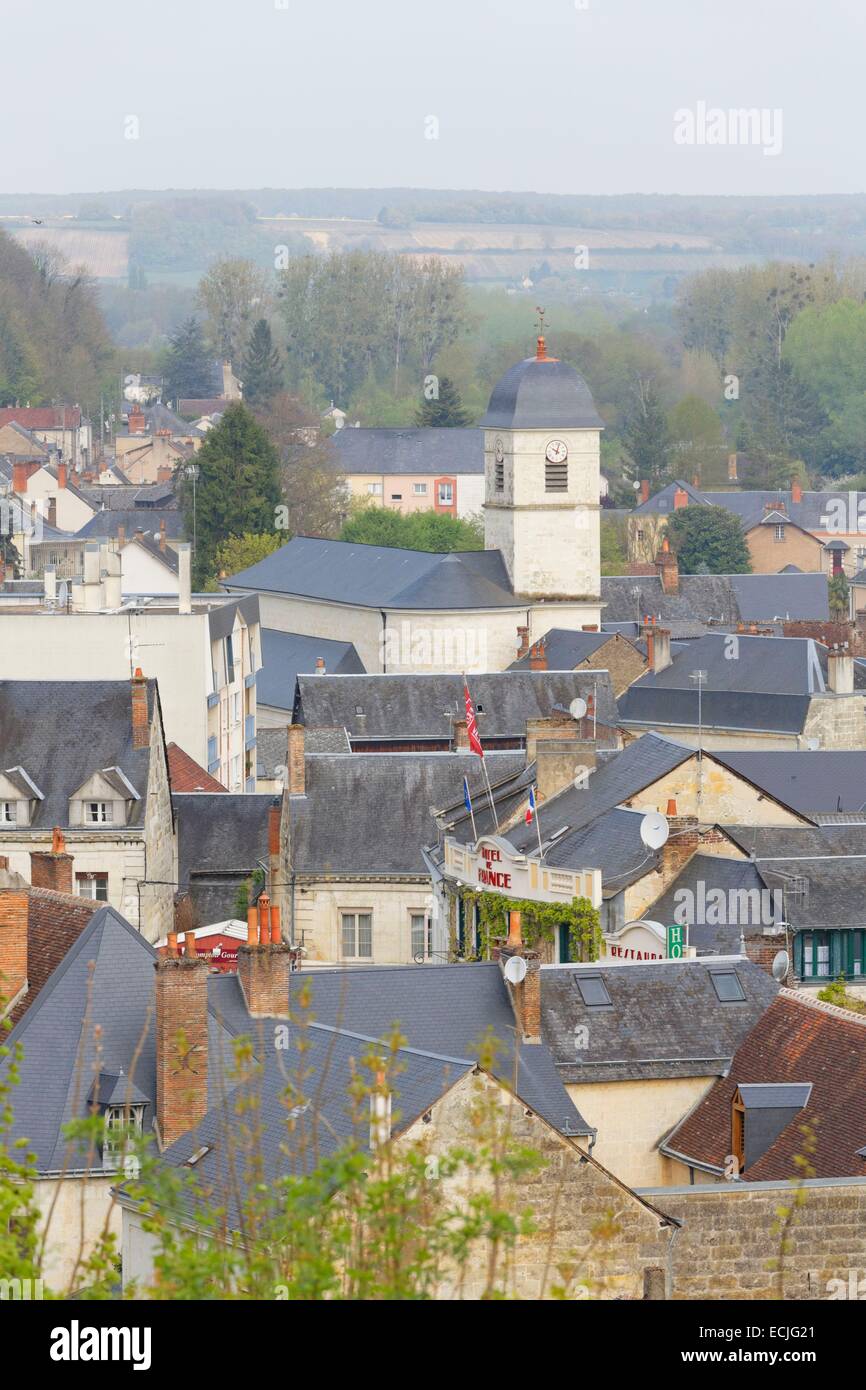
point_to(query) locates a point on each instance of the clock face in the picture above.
(557, 451)
(499, 450)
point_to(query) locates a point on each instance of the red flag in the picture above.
(471, 726)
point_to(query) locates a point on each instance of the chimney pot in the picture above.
(52, 869)
(672, 807)
(252, 926)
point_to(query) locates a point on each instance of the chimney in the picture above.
(556, 763)
(732, 468)
(297, 761)
(274, 827)
(121, 537)
(668, 568)
(682, 843)
(52, 868)
(14, 911)
(525, 997)
(522, 642)
(62, 475)
(460, 735)
(136, 420)
(162, 535)
(681, 498)
(184, 578)
(265, 963)
(644, 490)
(320, 666)
(840, 671)
(538, 657)
(796, 490)
(661, 649)
(52, 511)
(181, 1040)
(163, 473)
(140, 719)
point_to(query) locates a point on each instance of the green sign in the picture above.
(676, 942)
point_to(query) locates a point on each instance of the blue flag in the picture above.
(467, 800)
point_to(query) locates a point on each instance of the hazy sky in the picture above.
(568, 96)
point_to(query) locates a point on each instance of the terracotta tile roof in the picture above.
(41, 417)
(54, 923)
(186, 775)
(798, 1039)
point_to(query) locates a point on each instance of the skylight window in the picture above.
(593, 991)
(727, 985)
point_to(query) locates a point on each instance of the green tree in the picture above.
(240, 552)
(433, 531)
(837, 593)
(445, 409)
(230, 293)
(261, 370)
(708, 540)
(613, 549)
(313, 489)
(237, 488)
(646, 436)
(188, 367)
(698, 441)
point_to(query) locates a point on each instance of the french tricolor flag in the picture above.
(530, 810)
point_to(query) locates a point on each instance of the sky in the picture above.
(559, 96)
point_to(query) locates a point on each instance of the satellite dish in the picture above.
(781, 966)
(654, 829)
(515, 970)
(577, 708)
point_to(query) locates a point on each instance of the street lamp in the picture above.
(699, 678)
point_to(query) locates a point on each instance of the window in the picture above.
(374, 489)
(422, 936)
(593, 991)
(446, 494)
(420, 489)
(778, 533)
(230, 660)
(7, 812)
(727, 985)
(121, 1121)
(92, 886)
(358, 935)
(236, 711)
(99, 812)
(236, 769)
(640, 534)
(396, 497)
(499, 476)
(556, 477)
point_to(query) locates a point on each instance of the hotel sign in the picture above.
(494, 865)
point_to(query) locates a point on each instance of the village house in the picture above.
(414, 470)
(84, 788)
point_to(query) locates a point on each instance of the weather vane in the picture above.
(540, 325)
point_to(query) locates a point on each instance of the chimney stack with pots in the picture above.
(265, 962)
(526, 996)
(52, 868)
(181, 1039)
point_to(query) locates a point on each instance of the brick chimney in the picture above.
(265, 963)
(51, 518)
(163, 473)
(296, 761)
(557, 761)
(644, 492)
(522, 642)
(136, 420)
(460, 735)
(682, 842)
(681, 498)
(14, 911)
(796, 490)
(62, 475)
(525, 997)
(52, 868)
(274, 829)
(181, 1040)
(20, 474)
(658, 645)
(668, 568)
(140, 720)
(538, 656)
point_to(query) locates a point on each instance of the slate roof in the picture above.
(106, 522)
(713, 871)
(347, 794)
(287, 654)
(376, 576)
(706, 600)
(62, 732)
(185, 774)
(611, 842)
(443, 1009)
(665, 1020)
(812, 513)
(396, 452)
(127, 496)
(54, 923)
(406, 706)
(105, 979)
(541, 394)
(798, 1042)
(220, 836)
(565, 649)
(809, 781)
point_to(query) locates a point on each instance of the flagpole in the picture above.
(489, 793)
(475, 744)
(538, 828)
(468, 799)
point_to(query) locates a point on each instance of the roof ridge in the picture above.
(834, 1010)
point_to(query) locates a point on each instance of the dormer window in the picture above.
(106, 798)
(124, 1110)
(19, 797)
(99, 812)
(121, 1121)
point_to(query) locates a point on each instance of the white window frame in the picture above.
(425, 929)
(355, 918)
(419, 489)
(446, 494)
(104, 815)
(8, 813)
(86, 883)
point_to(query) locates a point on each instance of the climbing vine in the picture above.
(539, 922)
